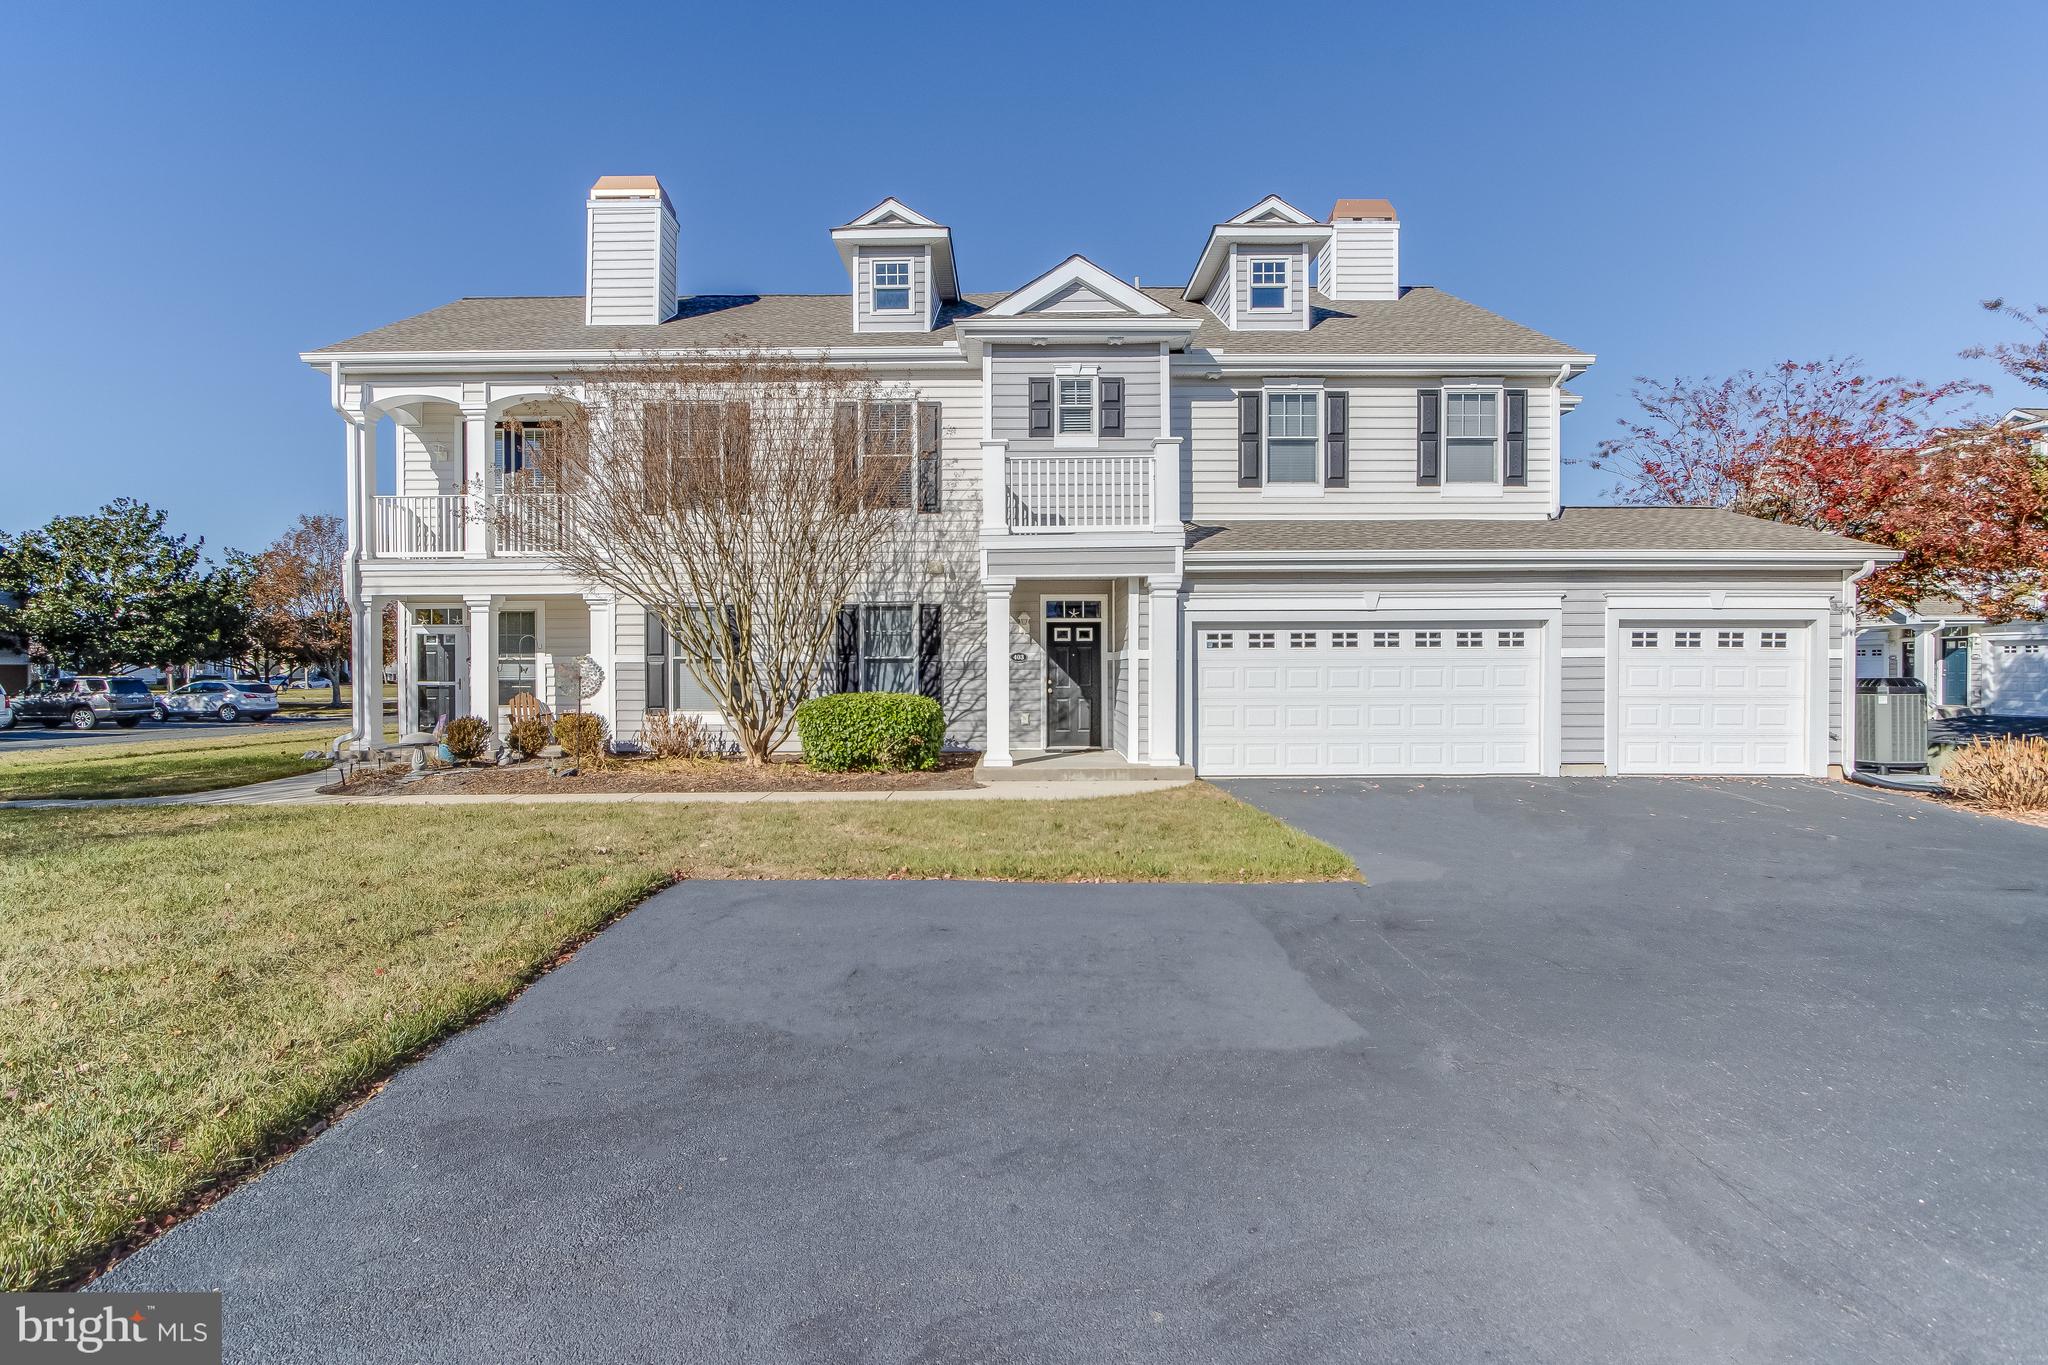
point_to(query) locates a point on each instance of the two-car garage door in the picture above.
(1292, 699)
(1287, 699)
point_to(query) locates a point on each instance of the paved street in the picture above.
(1593, 1071)
(26, 736)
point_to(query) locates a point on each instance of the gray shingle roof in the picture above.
(1421, 322)
(1613, 529)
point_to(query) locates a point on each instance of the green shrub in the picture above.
(529, 737)
(860, 730)
(466, 737)
(582, 735)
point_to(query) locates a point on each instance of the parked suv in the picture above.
(219, 699)
(83, 703)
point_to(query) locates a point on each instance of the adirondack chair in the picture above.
(526, 706)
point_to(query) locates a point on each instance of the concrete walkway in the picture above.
(303, 790)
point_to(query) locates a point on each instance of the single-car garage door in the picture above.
(1334, 700)
(1710, 698)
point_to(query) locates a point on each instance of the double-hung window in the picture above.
(888, 440)
(672, 684)
(1269, 285)
(517, 632)
(520, 450)
(1471, 436)
(888, 648)
(1291, 437)
(1076, 406)
(891, 282)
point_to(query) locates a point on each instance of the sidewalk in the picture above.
(302, 790)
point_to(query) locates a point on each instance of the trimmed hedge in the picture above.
(849, 731)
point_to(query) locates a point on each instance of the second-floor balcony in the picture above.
(1060, 492)
(455, 525)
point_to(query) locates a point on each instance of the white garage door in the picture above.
(1280, 700)
(1709, 698)
(2015, 675)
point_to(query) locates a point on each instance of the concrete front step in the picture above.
(1053, 770)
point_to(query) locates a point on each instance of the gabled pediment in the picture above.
(1270, 211)
(892, 212)
(1079, 286)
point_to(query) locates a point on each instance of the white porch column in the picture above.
(995, 474)
(996, 596)
(369, 684)
(1166, 484)
(403, 654)
(481, 614)
(366, 477)
(478, 463)
(1162, 681)
(604, 648)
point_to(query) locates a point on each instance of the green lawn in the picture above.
(183, 988)
(189, 763)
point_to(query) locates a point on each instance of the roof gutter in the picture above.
(1282, 561)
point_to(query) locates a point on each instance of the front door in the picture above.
(1073, 685)
(1955, 670)
(437, 670)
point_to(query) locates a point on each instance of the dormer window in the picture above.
(892, 286)
(1269, 285)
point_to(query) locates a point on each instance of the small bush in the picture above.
(466, 737)
(861, 730)
(2007, 774)
(582, 735)
(529, 736)
(678, 734)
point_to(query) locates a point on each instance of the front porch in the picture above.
(1083, 675)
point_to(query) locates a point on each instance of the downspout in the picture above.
(351, 571)
(1564, 372)
(1849, 664)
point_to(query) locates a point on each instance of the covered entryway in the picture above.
(1288, 699)
(1711, 697)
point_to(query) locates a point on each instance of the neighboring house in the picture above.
(1292, 518)
(13, 656)
(1968, 663)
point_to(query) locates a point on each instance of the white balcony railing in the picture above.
(421, 527)
(531, 523)
(1048, 493)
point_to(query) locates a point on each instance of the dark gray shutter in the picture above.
(1337, 443)
(931, 674)
(928, 434)
(657, 664)
(846, 449)
(732, 629)
(1111, 421)
(1248, 439)
(1428, 404)
(849, 649)
(1515, 439)
(1041, 407)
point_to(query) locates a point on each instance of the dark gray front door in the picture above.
(1073, 685)
(436, 676)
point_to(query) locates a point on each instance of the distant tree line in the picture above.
(115, 589)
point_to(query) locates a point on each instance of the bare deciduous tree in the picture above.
(740, 496)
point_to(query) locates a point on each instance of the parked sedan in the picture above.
(6, 711)
(217, 699)
(83, 703)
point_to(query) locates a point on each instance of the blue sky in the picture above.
(197, 193)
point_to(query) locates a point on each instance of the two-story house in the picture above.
(1292, 517)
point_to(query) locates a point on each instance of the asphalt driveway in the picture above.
(1630, 1071)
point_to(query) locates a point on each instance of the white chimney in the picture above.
(629, 274)
(1362, 259)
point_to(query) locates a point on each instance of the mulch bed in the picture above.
(637, 774)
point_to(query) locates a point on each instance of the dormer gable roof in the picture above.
(1271, 209)
(894, 223)
(1270, 222)
(1079, 279)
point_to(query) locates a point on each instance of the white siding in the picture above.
(632, 259)
(1382, 458)
(429, 454)
(1361, 260)
(1295, 318)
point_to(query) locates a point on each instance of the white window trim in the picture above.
(1286, 304)
(669, 660)
(1267, 487)
(1498, 487)
(860, 653)
(909, 287)
(1091, 439)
